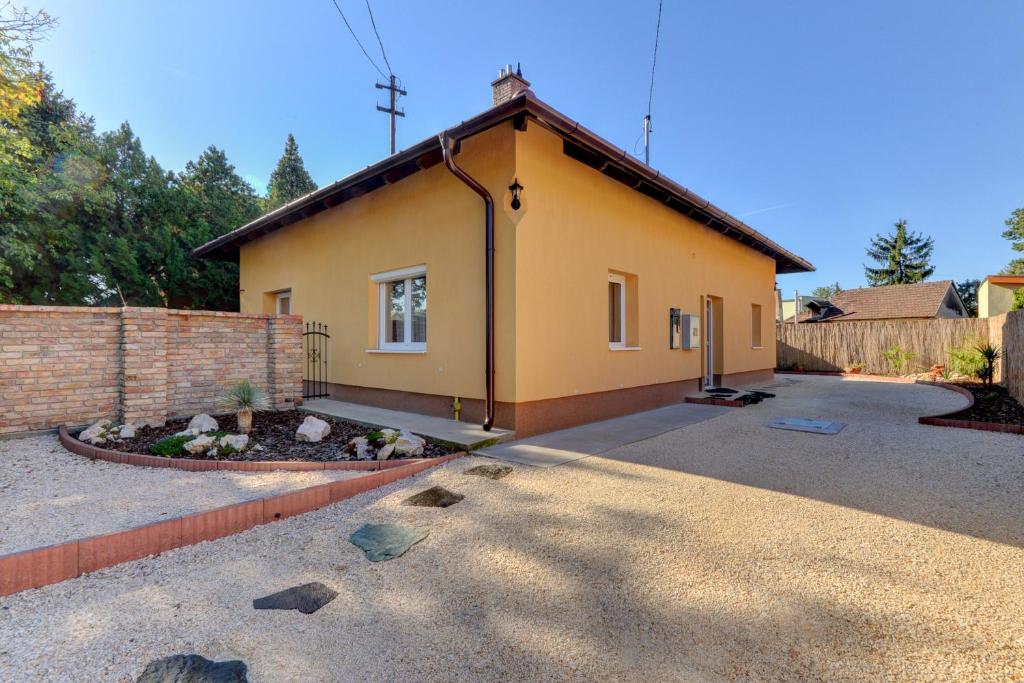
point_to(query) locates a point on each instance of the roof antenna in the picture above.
(650, 95)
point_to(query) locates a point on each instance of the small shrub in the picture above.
(172, 445)
(898, 359)
(966, 359)
(989, 355)
(244, 399)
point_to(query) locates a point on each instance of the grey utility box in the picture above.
(691, 331)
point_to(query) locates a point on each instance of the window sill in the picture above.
(623, 348)
(756, 347)
(403, 351)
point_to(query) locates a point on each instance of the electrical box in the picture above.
(691, 331)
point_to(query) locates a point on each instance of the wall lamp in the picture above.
(516, 188)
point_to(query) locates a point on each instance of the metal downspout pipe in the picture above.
(446, 150)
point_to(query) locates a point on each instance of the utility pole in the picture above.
(647, 139)
(392, 110)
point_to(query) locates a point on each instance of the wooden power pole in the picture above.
(392, 110)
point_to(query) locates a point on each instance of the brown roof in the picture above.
(1012, 280)
(579, 143)
(921, 300)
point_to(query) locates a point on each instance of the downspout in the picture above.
(446, 150)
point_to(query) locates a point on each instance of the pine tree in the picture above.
(1015, 233)
(903, 257)
(289, 180)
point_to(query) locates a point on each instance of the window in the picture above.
(616, 311)
(284, 302)
(755, 326)
(402, 298)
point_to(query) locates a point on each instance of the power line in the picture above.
(379, 41)
(356, 38)
(650, 93)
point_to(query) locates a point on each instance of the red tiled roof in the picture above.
(921, 300)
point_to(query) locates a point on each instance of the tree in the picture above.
(1015, 233)
(968, 290)
(903, 257)
(827, 292)
(289, 180)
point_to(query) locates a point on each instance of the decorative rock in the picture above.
(386, 451)
(385, 541)
(434, 497)
(409, 444)
(307, 598)
(203, 423)
(359, 446)
(188, 432)
(490, 471)
(258, 448)
(126, 431)
(236, 441)
(390, 435)
(312, 430)
(198, 445)
(193, 669)
(96, 433)
(212, 453)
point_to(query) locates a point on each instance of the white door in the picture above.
(709, 343)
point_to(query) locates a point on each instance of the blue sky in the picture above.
(818, 123)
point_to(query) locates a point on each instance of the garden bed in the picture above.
(274, 432)
(991, 404)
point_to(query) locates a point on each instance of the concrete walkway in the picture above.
(557, 448)
(465, 435)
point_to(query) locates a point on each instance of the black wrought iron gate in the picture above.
(315, 340)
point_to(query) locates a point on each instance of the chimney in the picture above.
(508, 84)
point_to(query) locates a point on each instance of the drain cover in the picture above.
(802, 424)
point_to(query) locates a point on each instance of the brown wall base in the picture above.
(537, 417)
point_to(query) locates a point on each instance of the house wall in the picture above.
(578, 225)
(994, 299)
(428, 218)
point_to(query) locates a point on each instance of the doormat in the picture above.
(802, 424)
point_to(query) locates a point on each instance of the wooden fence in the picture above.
(838, 345)
(1007, 332)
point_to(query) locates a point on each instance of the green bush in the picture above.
(172, 445)
(966, 359)
(898, 358)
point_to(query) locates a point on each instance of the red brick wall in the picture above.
(73, 365)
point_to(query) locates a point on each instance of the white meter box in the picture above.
(691, 331)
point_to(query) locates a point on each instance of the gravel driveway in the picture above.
(721, 551)
(48, 495)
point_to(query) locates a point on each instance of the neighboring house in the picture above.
(995, 294)
(594, 254)
(937, 299)
(789, 305)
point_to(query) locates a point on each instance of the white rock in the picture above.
(203, 423)
(390, 435)
(312, 430)
(96, 430)
(212, 453)
(198, 445)
(386, 452)
(126, 431)
(188, 432)
(236, 441)
(257, 448)
(410, 444)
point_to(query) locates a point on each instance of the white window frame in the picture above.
(283, 294)
(621, 281)
(382, 280)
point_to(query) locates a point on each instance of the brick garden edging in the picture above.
(52, 564)
(194, 465)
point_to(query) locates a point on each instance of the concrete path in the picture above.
(557, 448)
(466, 435)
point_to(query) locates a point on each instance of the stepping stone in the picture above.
(307, 598)
(490, 471)
(386, 541)
(193, 669)
(435, 497)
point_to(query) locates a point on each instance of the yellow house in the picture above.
(995, 294)
(526, 266)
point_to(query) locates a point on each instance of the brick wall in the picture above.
(75, 365)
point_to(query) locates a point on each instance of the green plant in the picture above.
(989, 354)
(966, 359)
(898, 358)
(1018, 300)
(244, 399)
(172, 445)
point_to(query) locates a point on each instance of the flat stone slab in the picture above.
(386, 541)
(193, 669)
(434, 497)
(802, 424)
(307, 598)
(490, 471)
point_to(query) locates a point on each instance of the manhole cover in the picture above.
(803, 424)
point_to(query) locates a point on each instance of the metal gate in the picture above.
(314, 341)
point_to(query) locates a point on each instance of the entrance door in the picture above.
(709, 342)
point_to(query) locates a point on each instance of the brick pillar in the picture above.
(144, 365)
(284, 360)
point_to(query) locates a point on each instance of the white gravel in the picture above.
(722, 551)
(48, 495)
